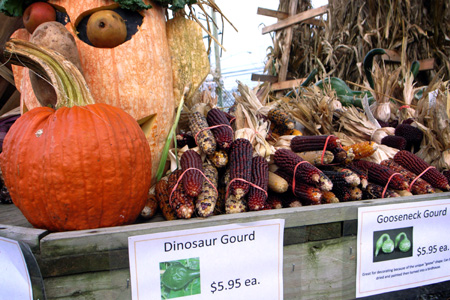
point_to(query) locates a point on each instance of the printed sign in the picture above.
(240, 261)
(15, 281)
(402, 246)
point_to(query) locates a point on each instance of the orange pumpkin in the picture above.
(78, 167)
(135, 76)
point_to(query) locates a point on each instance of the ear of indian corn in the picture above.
(345, 177)
(355, 193)
(240, 167)
(281, 118)
(219, 158)
(362, 149)
(393, 141)
(274, 200)
(207, 199)
(304, 171)
(180, 202)
(290, 200)
(192, 167)
(151, 206)
(329, 197)
(417, 165)
(223, 132)
(256, 199)
(375, 191)
(413, 136)
(201, 132)
(234, 205)
(162, 194)
(319, 142)
(277, 183)
(224, 180)
(363, 176)
(317, 157)
(382, 175)
(342, 192)
(419, 187)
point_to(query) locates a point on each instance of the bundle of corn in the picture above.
(352, 28)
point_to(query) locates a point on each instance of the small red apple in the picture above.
(38, 13)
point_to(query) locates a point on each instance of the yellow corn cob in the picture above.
(233, 205)
(315, 157)
(219, 158)
(362, 149)
(203, 136)
(207, 199)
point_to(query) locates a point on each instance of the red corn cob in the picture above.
(381, 174)
(223, 134)
(329, 197)
(305, 172)
(318, 142)
(290, 200)
(355, 193)
(363, 176)
(162, 194)
(375, 191)
(417, 165)
(256, 199)
(181, 203)
(345, 177)
(185, 139)
(274, 200)
(419, 187)
(413, 135)
(193, 178)
(342, 192)
(394, 141)
(240, 167)
(224, 180)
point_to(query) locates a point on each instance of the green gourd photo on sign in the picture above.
(180, 278)
(392, 244)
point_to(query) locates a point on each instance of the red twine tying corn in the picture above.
(250, 183)
(418, 176)
(211, 127)
(295, 171)
(387, 183)
(181, 176)
(404, 106)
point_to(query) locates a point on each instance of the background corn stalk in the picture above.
(353, 27)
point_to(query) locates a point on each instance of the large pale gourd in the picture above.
(135, 76)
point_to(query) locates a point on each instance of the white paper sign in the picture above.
(15, 281)
(402, 246)
(237, 261)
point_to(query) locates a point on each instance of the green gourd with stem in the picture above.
(384, 243)
(403, 245)
(177, 276)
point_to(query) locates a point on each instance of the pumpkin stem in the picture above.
(69, 84)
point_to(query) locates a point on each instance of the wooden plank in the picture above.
(272, 13)
(264, 78)
(116, 238)
(395, 57)
(112, 284)
(282, 15)
(30, 236)
(320, 270)
(427, 64)
(285, 85)
(296, 19)
(286, 44)
(391, 56)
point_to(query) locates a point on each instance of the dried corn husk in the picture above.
(385, 83)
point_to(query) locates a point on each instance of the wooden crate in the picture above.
(319, 252)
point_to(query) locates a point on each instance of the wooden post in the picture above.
(286, 46)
